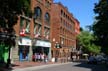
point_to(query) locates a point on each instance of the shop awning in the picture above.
(42, 43)
(25, 41)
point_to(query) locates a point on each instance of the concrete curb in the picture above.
(39, 67)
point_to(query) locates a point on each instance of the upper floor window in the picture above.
(47, 17)
(24, 25)
(46, 32)
(61, 21)
(61, 12)
(37, 30)
(27, 28)
(37, 13)
(21, 23)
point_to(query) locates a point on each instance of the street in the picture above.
(74, 67)
(71, 66)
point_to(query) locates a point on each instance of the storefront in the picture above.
(41, 46)
(24, 49)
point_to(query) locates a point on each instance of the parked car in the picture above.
(98, 59)
(92, 60)
(101, 59)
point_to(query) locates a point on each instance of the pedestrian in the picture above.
(39, 57)
(71, 56)
(42, 57)
(36, 57)
(45, 58)
(33, 57)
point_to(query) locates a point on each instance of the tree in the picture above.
(9, 11)
(100, 26)
(85, 39)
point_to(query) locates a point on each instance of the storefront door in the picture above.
(23, 53)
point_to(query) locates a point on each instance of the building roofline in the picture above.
(65, 7)
(72, 17)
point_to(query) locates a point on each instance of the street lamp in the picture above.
(11, 41)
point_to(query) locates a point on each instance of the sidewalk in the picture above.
(17, 66)
(33, 68)
(28, 64)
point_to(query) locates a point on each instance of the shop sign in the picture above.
(43, 43)
(25, 41)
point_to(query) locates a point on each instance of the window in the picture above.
(37, 30)
(61, 12)
(62, 41)
(21, 23)
(24, 26)
(46, 33)
(61, 20)
(47, 17)
(27, 29)
(37, 13)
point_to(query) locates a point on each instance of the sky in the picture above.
(81, 10)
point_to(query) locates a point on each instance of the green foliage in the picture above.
(85, 39)
(9, 11)
(100, 27)
(93, 48)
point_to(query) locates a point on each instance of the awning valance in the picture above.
(42, 43)
(25, 41)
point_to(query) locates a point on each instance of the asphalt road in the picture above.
(74, 66)
(71, 66)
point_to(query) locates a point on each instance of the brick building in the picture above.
(77, 27)
(63, 31)
(51, 26)
(33, 34)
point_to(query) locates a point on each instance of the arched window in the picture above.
(37, 13)
(61, 12)
(47, 17)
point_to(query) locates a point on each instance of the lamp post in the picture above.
(11, 41)
(53, 46)
(8, 65)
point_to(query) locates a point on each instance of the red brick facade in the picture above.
(77, 27)
(44, 9)
(56, 24)
(63, 28)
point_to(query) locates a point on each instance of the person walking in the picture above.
(39, 57)
(71, 56)
(36, 57)
(42, 57)
(45, 58)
